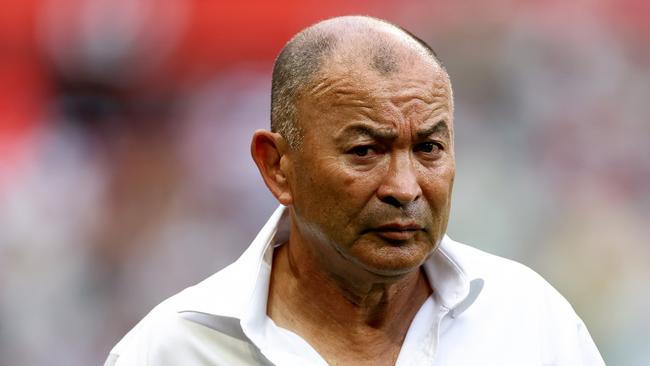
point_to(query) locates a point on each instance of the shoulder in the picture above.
(167, 336)
(512, 292)
(160, 326)
(517, 299)
(504, 276)
(513, 309)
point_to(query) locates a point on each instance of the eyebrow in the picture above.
(439, 128)
(355, 130)
(388, 134)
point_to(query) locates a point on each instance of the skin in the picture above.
(369, 195)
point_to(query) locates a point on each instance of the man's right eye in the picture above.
(361, 150)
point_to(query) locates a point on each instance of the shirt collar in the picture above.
(228, 293)
(455, 288)
(240, 290)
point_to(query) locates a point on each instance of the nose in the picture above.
(400, 185)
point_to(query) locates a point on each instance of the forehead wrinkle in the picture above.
(435, 108)
(350, 97)
(338, 83)
(420, 109)
(412, 90)
(344, 93)
(323, 85)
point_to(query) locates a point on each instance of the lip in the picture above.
(399, 226)
(397, 231)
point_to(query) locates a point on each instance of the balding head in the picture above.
(366, 110)
(357, 41)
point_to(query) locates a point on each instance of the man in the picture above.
(354, 268)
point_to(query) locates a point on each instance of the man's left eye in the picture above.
(427, 147)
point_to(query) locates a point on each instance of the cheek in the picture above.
(330, 191)
(437, 185)
(343, 181)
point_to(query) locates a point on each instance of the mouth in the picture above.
(397, 231)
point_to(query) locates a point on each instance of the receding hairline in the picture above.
(355, 28)
(308, 53)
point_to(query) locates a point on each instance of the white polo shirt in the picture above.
(484, 310)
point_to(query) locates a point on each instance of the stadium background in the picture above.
(125, 174)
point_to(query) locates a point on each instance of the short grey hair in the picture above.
(303, 56)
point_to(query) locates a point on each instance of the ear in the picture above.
(269, 151)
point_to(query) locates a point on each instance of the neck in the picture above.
(342, 310)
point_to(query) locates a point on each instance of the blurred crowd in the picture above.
(124, 153)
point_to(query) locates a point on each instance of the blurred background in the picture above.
(125, 173)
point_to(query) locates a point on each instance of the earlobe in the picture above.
(269, 151)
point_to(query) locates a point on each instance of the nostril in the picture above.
(392, 201)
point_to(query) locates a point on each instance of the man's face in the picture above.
(372, 183)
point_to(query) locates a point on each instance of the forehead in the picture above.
(378, 53)
(351, 82)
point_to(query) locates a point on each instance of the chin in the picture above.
(392, 261)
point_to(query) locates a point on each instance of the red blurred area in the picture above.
(23, 84)
(213, 36)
